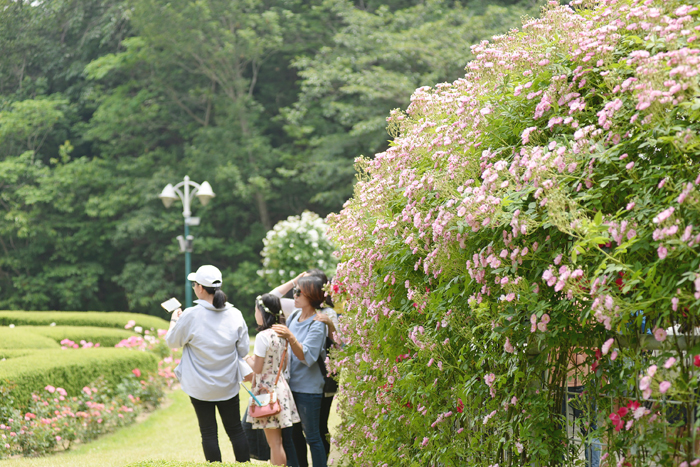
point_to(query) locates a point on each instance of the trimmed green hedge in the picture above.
(164, 463)
(14, 353)
(106, 337)
(70, 369)
(80, 318)
(17, 338)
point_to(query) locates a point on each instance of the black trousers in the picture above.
(230, 414)
(300, 440)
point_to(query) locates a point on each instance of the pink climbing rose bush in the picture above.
(531, 222)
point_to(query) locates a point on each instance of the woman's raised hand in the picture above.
(282, 331)
(294, 281)
(324, 318)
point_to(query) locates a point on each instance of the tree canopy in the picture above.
(104, 102)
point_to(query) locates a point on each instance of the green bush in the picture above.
(80, 318)
(164, 463)
(14, 353)
(70, 369)
(15, 338)
(106, 337)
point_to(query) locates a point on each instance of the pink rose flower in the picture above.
(606, 346)
(644, 383)
(508, 347)
(660, 334)
(651, 371)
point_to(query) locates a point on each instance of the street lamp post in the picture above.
(186, 190)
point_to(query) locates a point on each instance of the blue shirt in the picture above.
(305, 376)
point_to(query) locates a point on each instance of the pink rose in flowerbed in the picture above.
(145, 342)
(55, 419)
(551, 144)
(69, 344)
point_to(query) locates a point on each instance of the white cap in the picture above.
(207, 275)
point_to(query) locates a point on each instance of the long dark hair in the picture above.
(219, 296)
(312, 288)
(322, 275)
(272, 315)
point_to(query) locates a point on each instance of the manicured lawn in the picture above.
(170, 433)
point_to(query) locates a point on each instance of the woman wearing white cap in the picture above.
(214, 340)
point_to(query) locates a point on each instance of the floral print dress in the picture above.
(289, 414)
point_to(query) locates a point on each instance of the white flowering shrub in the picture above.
(296, 244)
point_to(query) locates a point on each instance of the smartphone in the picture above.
(171, 305)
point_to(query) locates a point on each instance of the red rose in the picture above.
(696, 360)
(622, 411)
(460, 406)
(633, 405)
(617, 421)
(619, 281)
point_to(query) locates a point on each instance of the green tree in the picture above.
(373, 64)
(103, 102)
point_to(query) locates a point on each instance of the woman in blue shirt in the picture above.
(306, 336)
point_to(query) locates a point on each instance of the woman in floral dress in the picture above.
(268, 351)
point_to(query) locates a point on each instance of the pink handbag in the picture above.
(271, 406)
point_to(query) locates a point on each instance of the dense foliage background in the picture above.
(104, 102)
(533, 226)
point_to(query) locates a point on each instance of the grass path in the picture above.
(168, 434)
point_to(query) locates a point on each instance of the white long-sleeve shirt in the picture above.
(214, 343)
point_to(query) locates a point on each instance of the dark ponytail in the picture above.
(219, 296)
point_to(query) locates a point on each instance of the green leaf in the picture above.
(598, 219)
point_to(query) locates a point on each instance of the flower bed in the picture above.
(548, 201)
(69, 369)
(55, 418)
